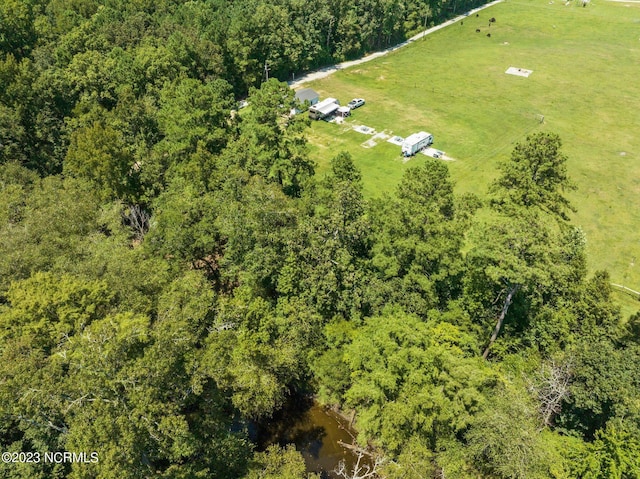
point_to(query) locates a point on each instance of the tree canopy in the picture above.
(174, 272)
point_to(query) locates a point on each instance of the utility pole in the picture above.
(266, 70)
(426, 17)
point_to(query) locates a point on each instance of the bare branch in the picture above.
(138, 219)
(551, 385)
(360, 470)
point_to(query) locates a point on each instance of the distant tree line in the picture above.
(59, 60)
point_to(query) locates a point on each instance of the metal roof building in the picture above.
(307, 94)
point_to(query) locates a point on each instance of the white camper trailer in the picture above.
(343, 112)
(323, 109)
(416, 142)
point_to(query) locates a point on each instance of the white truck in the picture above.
(416, 142)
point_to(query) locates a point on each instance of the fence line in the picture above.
(629, 291)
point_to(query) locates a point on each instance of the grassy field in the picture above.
(585, 64)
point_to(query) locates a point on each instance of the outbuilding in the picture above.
(307, 95)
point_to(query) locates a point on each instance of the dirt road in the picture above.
(326, 71)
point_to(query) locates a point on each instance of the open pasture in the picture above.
(585, 72)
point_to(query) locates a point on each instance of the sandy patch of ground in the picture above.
(521, 72)
(375, 139)
(432, 152)
(364, 129)
(383, 135)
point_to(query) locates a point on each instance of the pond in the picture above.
(317, 432)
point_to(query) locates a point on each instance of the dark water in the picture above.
(316, 432)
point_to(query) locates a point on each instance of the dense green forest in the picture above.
(172, 272)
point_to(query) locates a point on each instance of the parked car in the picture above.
(355, 103)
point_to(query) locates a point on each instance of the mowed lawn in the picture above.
(585, 81)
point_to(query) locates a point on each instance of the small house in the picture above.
(308, 95)
(305, 98)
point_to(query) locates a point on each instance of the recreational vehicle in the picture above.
(323, 109)
(416, 142)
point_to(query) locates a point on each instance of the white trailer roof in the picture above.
(415, 138)
(326, 106)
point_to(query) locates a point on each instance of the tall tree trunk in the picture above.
(503, 313)
(329, 35)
